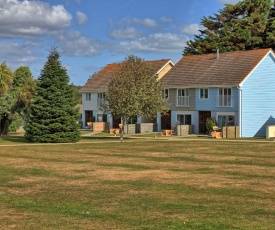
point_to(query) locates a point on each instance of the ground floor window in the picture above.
(184, 119)
(226, 120)
(132, 120)
(102, 117)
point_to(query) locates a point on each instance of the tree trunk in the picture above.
(122, 128)
(4, 125)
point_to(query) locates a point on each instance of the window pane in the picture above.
(179, 119)
(206, 93)
(104, 117)
(187, 119)
(184, 119)
(229, 91)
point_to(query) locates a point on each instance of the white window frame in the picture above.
(166, 94)
(183, 96)
(100, 99)
(102, 117)
(226, 114)
(184, 118)
(224, 99)
(88, 96)
(205, 91)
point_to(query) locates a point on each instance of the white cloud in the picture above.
(165, 19)
(147, 22)
(16, 54)
(81, 18)
(155, 43)
(128, 33)
(31, 18)
(228, 1)
(75, 44)
(192, 29)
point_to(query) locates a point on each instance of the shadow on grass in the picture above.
(111, 138)
(13, 139)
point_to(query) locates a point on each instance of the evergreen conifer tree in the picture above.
(53, 116)
(247, 25)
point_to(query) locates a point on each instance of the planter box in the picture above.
(146, 127)
(184, 130)
(130, 129)
(114, 131)
(231, 132)
(100, 126)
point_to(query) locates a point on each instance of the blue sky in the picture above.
(90, 34)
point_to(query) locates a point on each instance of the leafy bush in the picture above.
(15, 125)
(210, 123)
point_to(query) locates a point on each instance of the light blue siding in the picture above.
(210, 104)
(258, 99)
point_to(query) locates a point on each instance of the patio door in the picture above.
(203, 115)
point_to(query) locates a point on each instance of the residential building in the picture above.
(235, 88)
(93, 93)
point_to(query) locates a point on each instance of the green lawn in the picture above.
(142, 183)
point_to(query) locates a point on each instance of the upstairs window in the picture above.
(183, 97)
(183, 92)
(203, 93)
(166, 93)
(225, 97)
(88, 96)
(100, 99)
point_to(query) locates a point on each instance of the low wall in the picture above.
(231, 132)
(184, 130)
(130, 128)
(100, 126)
(147, 127)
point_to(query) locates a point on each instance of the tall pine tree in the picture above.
(246, 25)
(53, 116)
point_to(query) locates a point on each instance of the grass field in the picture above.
(147, 183)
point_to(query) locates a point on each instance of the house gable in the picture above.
(257, 98)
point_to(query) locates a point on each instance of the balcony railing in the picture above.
(224, 101)
(183, 101)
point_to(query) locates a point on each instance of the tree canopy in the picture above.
(134, 90)
(53, 116)
(247, 25)
(15, 95)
